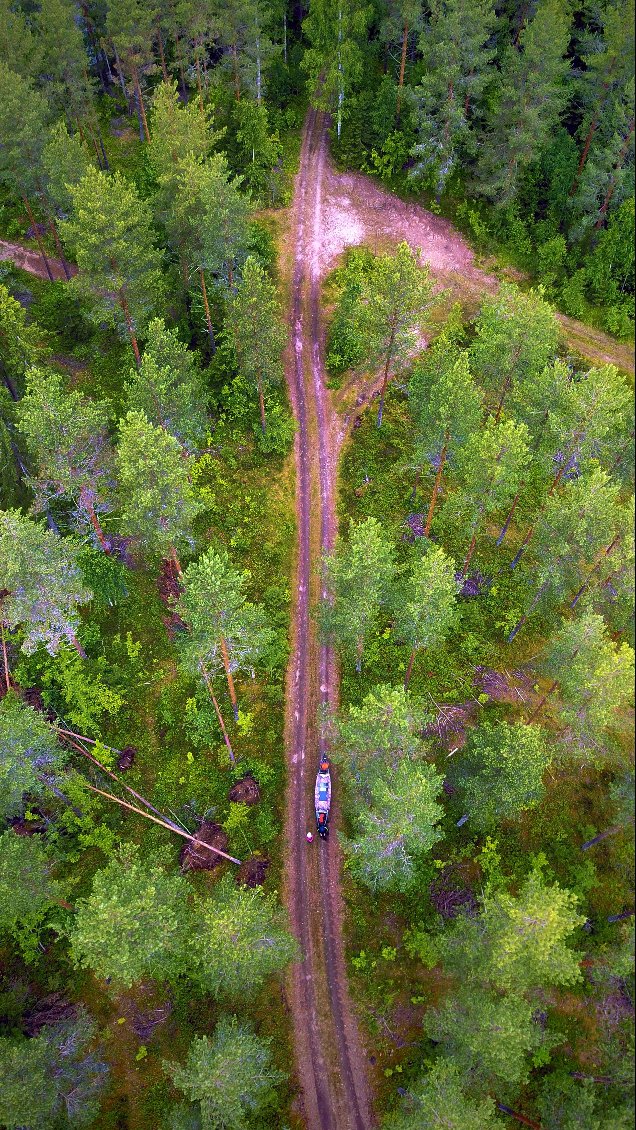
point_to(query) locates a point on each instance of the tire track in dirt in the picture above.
(330, 1061)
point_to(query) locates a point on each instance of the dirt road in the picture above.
(331, 1062)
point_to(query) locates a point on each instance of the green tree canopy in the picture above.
(595, 676)
(358, 577)
(257, 331)
(230, 1078)
(516, 336)
(135, 922)
(158, 499)
(427, 606)
(110, 235)
(65, 160)
(66, 434)
(375, 736)
(227, 632)
(30, 755)
(19, 343)
(446, 406)
(438, 1101)
(397, 828)
(333, 62)
(487, 1034)
(44, 580)
(169, 387)
(26, 887)
(240, 940)
(501, 771)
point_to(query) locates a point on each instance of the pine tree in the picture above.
(516, 336)
(488, 1035)
(437, 1101)
(23, 134)
(40, 570)
(257, 331)
(130, 27)
(397, 828)
(532, 95)
(333, 63)
(609, 69)
(158, 500)
(456, 69)
(373, 738)
(207, 222)
(31, 757)
(594, 675)
(110, 234)
(169, 388)
(397, 295)
(446, 407)
(241, 941)
(66, 434)
(489, 468)
(64, 69)
(261, 151)
(402, 19)
(358, 577)
(519, 943)
(501, 771)
(570, 530)
(135, 923)
(65, 160)
(426, 611)
(227, 632)
(54, 1078)
(27, 890)
(19, 343)
(17, 42)
(230, 1078)
(179, 130)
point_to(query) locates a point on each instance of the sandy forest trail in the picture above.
(331, 1063)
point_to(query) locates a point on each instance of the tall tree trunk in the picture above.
(595, 569)
(208, 683)
(235, 73)
(38, 239)
(199, 87)
(436, 486)
(504, 392)
(94, 521)
(517, 1116)
(539, 707)
(60, 249)
(261, 402)
(162, 56)
(385, 378)
(584, 154)
(206, 308)
(285, 38)
(469, 555)
(612, 185)
(140, 102)
(405, 41)
(78, 647)
(522, 548)
(409, 669)
(175, 560)
(359, 650)
(258, 71)
(524, 619)
(228, 675)
(602, 836)
(120, 72)
(131, 330)
(7, 673)
(506, 525)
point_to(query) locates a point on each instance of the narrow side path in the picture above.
(32, 261)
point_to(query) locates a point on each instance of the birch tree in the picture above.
(372, 738)
(335, 30)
